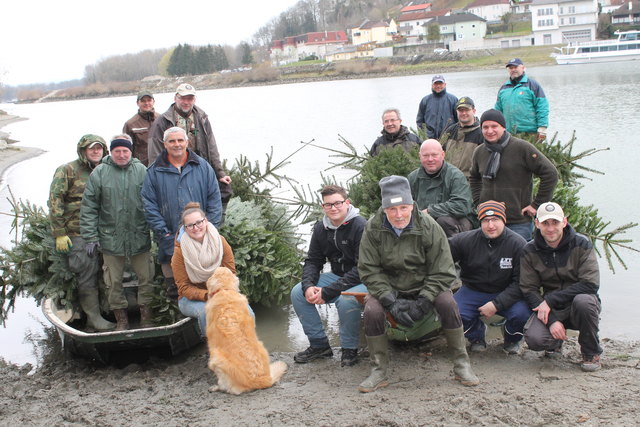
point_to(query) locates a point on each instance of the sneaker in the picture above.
(478, 346)
(313, 353)
(591, 363)
(349, 357)
(511, 347)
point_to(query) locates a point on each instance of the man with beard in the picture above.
(438, 109)
(523, 102)
(459, 140)
(559, 278)
(394, 134)
(137, 127)
(502, 169)
(185, 114)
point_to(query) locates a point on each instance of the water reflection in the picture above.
(594, 99)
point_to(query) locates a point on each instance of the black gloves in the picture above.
(420, 307)
(92, 248)
(399, 309)
(406, 312)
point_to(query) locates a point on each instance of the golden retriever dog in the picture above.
(236, 355)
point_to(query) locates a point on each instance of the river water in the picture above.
(596, 100)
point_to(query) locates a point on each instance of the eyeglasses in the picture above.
(195, 224)
(337, 204)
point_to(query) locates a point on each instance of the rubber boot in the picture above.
(122, 318)
(172, 289)
(91, 307)
(379, 352)
(145, 316)
(461, 363)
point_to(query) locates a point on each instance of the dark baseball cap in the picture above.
(514, 61)
(438, 78)
(465, 102)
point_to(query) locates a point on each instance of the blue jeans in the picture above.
(524, 230)
(469, 301)
(349, 310)
(196, 309)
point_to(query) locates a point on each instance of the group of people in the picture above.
(162, 174)
(468, 213)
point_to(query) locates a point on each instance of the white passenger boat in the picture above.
(625, 48)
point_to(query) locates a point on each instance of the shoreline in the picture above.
(12, 155)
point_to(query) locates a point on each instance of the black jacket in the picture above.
(562, 273)
(490, 266)
(340, 247)
(403, 138)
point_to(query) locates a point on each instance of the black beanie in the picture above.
(493, 116)
(121, 143)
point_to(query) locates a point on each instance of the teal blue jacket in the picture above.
(524, 105)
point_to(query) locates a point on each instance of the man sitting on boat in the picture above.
(65, 197)
(523, 102)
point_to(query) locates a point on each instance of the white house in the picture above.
(628, 13)
(562, 21)
(489, 10)
(463, 27)
(374, 31)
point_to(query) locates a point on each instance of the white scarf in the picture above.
(201, 259)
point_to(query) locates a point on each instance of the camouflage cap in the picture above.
(143, 94)
(90, 139)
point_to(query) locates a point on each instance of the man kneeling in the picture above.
(406, 265)
(563, 264)
(489, 260)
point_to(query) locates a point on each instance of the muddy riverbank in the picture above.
(515, 390)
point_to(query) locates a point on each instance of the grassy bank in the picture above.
(265, 74)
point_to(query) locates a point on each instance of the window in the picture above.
(561, 21)
(572, 20)
(572, 9)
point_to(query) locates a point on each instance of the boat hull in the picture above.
(100, 346)
(586, 58)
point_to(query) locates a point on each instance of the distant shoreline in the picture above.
(12, 154)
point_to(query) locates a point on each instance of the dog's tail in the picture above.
(277, 370)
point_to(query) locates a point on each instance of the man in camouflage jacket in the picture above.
(65, 198)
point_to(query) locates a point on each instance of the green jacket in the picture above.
(112, 211)
(67, 187)
(418, 261)
(445, 194)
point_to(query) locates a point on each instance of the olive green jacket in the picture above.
(416, 262)
(112, 211)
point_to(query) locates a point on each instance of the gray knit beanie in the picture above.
(395, 190)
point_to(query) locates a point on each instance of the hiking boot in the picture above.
(478, 346)
(349, 357)
(511, 347)
(313, 353)
(591, 363)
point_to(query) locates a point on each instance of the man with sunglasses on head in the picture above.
(336, 238)
(177, 177)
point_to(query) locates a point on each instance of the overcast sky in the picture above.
(51, 41)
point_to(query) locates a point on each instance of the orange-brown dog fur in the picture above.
(236, 355)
